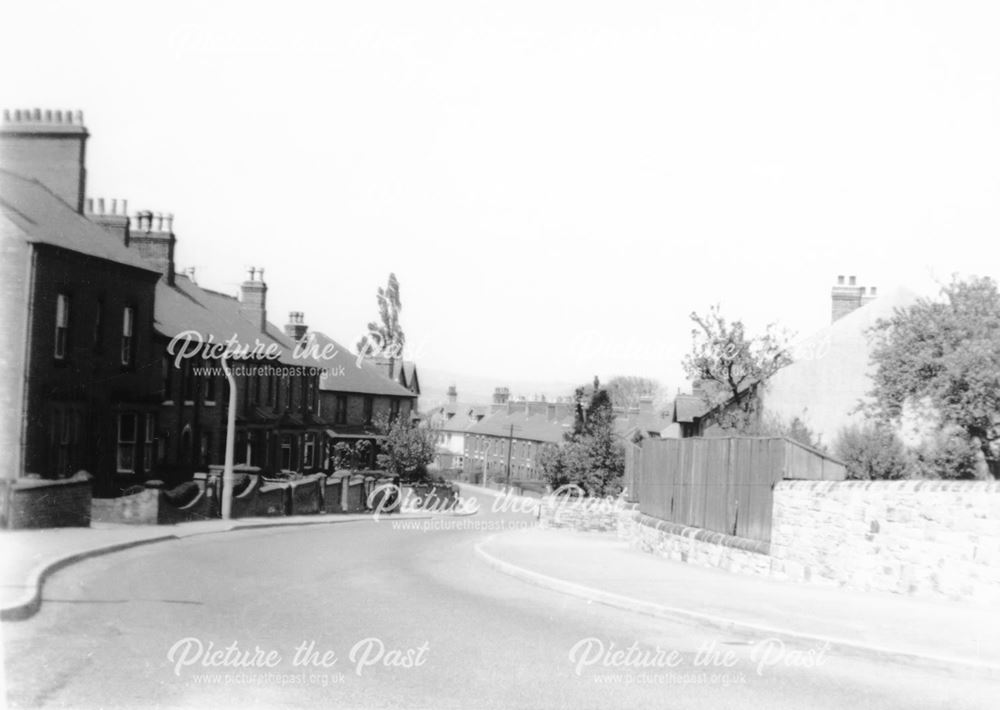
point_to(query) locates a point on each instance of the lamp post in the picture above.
(227, 471)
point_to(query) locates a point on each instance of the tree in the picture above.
(729, 364)
(794, 429)
(385, 336)
(941, 360)
(406, 449)
(627, 390)
(591, 456)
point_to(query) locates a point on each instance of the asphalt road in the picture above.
(406, 619)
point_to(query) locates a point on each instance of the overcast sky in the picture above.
(556, 185)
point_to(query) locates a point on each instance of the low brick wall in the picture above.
(46, 503)
(137, 509)
(925, 538)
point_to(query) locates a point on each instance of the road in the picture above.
(430, 626)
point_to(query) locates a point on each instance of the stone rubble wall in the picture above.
(925, 538)
(929, 539)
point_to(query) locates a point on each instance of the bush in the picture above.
(872, 451)
(948, 454)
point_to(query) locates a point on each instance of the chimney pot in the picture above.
(854, 280)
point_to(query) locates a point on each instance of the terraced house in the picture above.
(79, 388)
(94, 294)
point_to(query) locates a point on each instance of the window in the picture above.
(286, 452)
(308, 451)
(167, 375)
(187, 384)
(163, 447)
(128, 322)
(209, 386)
(126, 442)
(310, 393)
(62, 326)
(248, 453)
(272, 384)
(369, 408)
(99, 325)
(340, 410)
(394, 410)
(186, 444)
(150, 438)
(286, 387)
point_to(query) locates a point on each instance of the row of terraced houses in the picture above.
(91, 301)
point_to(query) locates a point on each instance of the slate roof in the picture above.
(533, 427)
(462, 416)
(44, 218)
(646, 422)
(366, 379)
(185, 306)
(688, 407)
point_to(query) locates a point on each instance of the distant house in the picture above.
(512, 437)
(403, 372)
(353, 395)
(451, 421)
(639, 422)
(830, 374)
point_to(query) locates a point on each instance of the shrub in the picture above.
(948, 454)
(871, 451)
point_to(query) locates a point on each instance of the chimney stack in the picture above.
(48, 146)
(110, 214)
(645, 404)
(452, 395)
(501, 395)
(296, 327)
(253, 298)
(152, 235)
(846, 298)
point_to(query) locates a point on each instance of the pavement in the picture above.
(31, 556)
(596, 568)
(413, 618)
(601, 568)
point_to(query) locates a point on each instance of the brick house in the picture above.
(79, 390)
(353, 395)
(402, 372)
(451, 421)
(278, 427)
(515, 431)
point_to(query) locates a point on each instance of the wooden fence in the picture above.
(721, 484)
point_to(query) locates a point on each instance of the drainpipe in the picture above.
(227, 471)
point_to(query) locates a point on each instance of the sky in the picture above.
(557, 186)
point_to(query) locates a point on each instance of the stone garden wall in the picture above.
(931, 539)
(927, 538)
